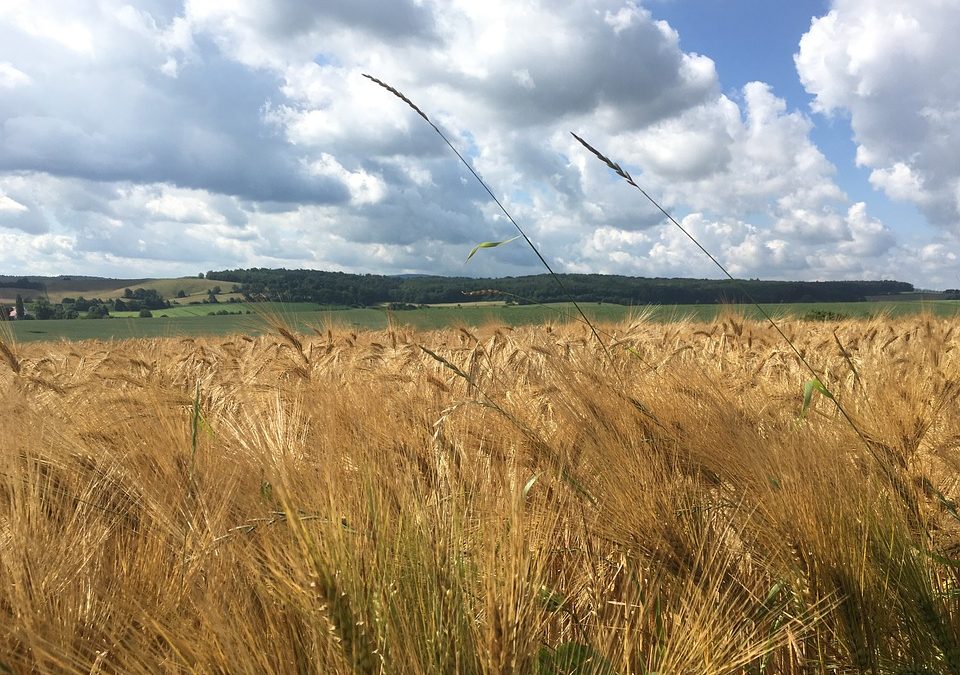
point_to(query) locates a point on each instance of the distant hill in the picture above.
(59, 287)
(919, 296)
(340, 288)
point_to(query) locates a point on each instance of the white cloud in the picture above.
(11, 77)
(175, 135)
(51, 22)
(762, 195)
(11, 205)
(889, 66)
(365, 188)
(900, 182)
(169, 204)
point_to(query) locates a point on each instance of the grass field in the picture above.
(61, 287)
(193, 320)
(178, 311)
(168, 288)
(489, 500)
(105, 288)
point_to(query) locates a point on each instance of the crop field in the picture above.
(184, 310)
(98, 287)
(485, 500)
(195, 320)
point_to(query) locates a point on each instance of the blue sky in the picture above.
(800, 140)
(757, 40)
(748, 39)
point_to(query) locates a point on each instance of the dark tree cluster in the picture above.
(22, 282)
(75, 308)
(44, 309)
(325, 288)
(139, 299)
(338, 288)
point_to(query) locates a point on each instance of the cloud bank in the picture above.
(889, 67)
(171, 137)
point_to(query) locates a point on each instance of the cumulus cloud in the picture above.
(745, 250)
(11, 77)
(888, 65)
(11, 205)
(102, 105)
(735, 156)
(609, 58)
(169, 136)
(760, 195)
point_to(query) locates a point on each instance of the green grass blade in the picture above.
(808, 388)
(490, 244)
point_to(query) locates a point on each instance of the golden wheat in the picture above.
(493, 500)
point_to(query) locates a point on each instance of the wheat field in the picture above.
(487, 500)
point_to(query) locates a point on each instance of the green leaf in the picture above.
(490, 244)
(196, 422)
(772, 601)
(772, 594)
(553, 601)
(572, 658)
(942, 559)
(808, 388)
(577, 658)
(948, 504)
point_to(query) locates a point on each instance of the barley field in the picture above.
(485, 500)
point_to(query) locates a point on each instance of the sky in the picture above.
(811, 139)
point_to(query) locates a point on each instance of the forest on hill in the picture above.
(340, 288)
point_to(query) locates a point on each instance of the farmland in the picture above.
(484, 500)
(57, 288)
(194, 320)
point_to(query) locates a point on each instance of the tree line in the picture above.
(142, 300)
(344, 289)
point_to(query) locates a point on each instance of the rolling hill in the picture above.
(59, 287)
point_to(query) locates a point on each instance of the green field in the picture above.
(180, 311)
(97, 287)
(193, 320)
(168, 288)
